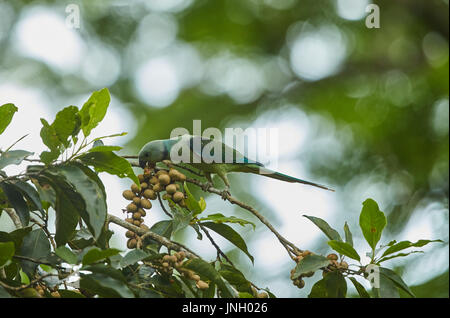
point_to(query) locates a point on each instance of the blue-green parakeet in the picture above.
(226, 160)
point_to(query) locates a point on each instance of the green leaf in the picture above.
(348, 234)
(406, 244)
(133, 257)
(17, 201)
(235, 278)
(92, 194)
(230, 234)
(94, 110)
(163, 228)
(29, 192)
(48, 157)
(344, 249)
(191, 202)
(66, 254)
(4, 293)
(24, 279)
(220, 218)
(6, 114)
(7, 251)
(397, 255)
(205, 269)
(372, 222)
(104, 148)
(111, 163)
(67, 123)
(105, 282)
(310, 263)
(333, 285)
(95, 254)
(36, 246)
(387, 288)
(67, 206)
(359, 288)
(331, 233)
(13, 157)
(397, 280)
(15, 236)
(181, 218)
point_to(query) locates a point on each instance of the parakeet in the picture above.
(205, 161)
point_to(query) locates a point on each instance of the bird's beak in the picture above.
(142, 163)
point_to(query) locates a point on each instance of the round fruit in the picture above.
(136, 200)
(164, 179)
(157, 187)
(173, 174)
(132, 243)
(128, 194)
(129, 220)
(137, 222)
(166, 196)
(196, 277)
(146, 204)
(178, 196)
(129, 234)
(344, 264)
(142, 212)
(136, 216)
(171, 189)
(202, 285)
(154, 180)
(143, 226)
(150, 194)
(166, 258)
(144, 185)
(332, 257)
(262, 295)
(132, 207)
(135, 188)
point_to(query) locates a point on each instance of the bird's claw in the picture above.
(225, 194)
(206, 186)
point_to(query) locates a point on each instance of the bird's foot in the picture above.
(206, 186)
(225, 194)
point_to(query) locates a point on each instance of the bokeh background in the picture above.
(365, 111)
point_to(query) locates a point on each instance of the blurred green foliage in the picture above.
(390, 92)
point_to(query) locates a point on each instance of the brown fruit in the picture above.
(136, 216)
(299, 283)
(166, 258)
(173, 259)
(137, 222)
(154, 180)
(171, 189)
(132, 243)
(128, 194)
(129, 220)
(164, 179)
(142, 212)
(202, 285)
(181, 177)
(141, 178)
(165, 264)
(196, 277)
(182, 203)
(161, 172)
(132, 207)
(173, 174)
(56, 294)
(150, 194)
(166, 196)
(262, 295)
(157, 187)
(178, 196)
(144, 185)
(135, 188)
(136, 201)
(332, 257)
(129, 234)
(146, 204)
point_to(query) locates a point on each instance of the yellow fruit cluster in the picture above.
(335, 264)
(152, 183)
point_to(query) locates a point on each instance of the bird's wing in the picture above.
(197, 144)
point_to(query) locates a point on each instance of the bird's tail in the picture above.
(283, 177)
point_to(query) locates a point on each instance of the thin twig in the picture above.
(14, 217)
(219, 251)
(154, 236)
(290, 247)
(34, 281)
(162, 205)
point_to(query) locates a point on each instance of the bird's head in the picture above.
(153, 152)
